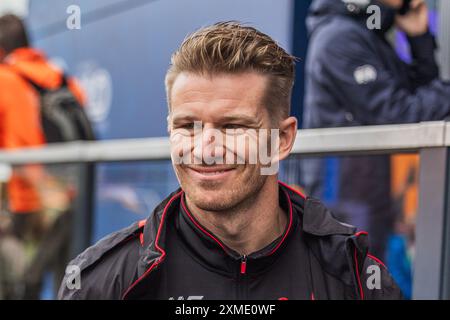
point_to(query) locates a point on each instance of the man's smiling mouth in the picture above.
(208, 172)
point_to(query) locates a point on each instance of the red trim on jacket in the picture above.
(361, 291)
(200, 227)
(292, 189)
(222, 245)
(361, 232)
(141, 235)
(288, 228)
(357, 234)
(376, 259)
(161, 250)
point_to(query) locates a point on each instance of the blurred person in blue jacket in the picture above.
(399, 255)
(354, 77)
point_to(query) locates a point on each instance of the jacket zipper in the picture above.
(244, 265)
(242, 279)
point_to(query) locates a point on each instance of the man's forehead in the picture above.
(243, 86)
(224, 97)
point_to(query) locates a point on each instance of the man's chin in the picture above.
(210, 200)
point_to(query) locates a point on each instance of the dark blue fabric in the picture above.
(354, 77)
(340, 43)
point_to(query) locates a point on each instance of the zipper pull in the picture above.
(244, 264)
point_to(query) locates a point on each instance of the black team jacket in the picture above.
(171, 256)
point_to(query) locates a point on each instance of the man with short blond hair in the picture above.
(232, 230)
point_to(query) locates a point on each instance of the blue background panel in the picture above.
(122, 51)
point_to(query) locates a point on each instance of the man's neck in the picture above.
(249, 227)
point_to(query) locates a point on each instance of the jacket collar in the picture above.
(314, 219)
(216, 256)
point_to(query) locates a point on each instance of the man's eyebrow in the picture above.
(239, 118)
(225, 118)
(184, 117)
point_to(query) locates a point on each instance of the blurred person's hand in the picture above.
(415, 21)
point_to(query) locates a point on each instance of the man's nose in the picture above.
(210, 145)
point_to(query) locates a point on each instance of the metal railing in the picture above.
(430, 139)
(367, 139)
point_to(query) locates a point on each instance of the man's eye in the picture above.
(234, 126)
(186, 126)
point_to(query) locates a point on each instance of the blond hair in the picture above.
(230, 47)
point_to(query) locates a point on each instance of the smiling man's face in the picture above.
(221, 102)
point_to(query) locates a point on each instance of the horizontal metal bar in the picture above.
(92, 151)
(348, 140)
(383, 138)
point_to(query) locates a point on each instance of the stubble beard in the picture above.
(225, 198)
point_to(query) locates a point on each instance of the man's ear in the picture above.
(288, 132)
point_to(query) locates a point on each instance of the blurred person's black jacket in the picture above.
(170, 256)
(354, 77)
